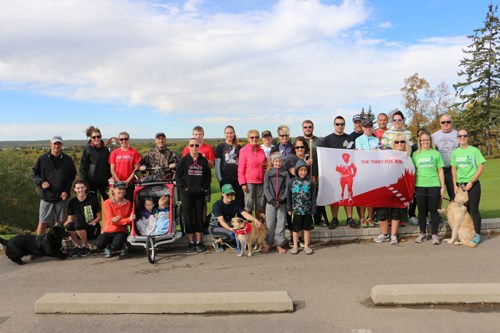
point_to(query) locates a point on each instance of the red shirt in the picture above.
(124, 162)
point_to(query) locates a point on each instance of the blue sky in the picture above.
(149, 66)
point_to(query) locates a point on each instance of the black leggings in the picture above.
(473, 206)
(102, 188)
(192, 209)
(428, 199)
(116, 239)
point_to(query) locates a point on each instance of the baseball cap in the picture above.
(120, 184)
(356, 117)
(266, 133)
(367, 122)
(227, 188)
(56, 138)
(160, 134)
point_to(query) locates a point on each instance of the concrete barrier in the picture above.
(157, 303)
(449, 293)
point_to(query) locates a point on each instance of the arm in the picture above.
(98, 218)
(242, 165)
(132, 175)
(85, 164)
(217, 169)
(441, 180)
(476, 176)
(454, 176)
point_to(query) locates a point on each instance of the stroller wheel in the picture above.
(150, 249)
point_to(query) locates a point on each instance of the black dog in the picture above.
(43, 245)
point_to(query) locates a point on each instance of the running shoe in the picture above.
(476, 239)
(84, 251)
(308, 250)
(435, 240)
(218, 247)
(421, 238)
(294, 250)
(382, 238)
(191, 248)
(124, 251)
(200, 247)
(334, 223)
(394, 240)
(350, 222)
(414, 220)
(75, 252)
(108, 253)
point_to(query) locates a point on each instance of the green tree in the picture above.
(480, 89)
(18, 201)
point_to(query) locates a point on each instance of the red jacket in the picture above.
(112, 209)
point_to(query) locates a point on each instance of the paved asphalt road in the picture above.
(330, 289)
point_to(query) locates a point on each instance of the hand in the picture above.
(456, 189)
(258, 224)
(244, 188)
(132, 217)
(276, 205)
(115, 219)
(468, 186)
(142, 168)
(64, 196)
(289, 213)
(45, 185)
(442, 191)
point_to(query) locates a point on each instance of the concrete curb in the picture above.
(451, 293)
(158, 303)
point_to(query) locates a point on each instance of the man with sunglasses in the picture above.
(446, 142)
(339, 140)
(123, 163)
(53, 174)
(160, 160)
(285, 146)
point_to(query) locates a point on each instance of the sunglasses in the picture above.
(253, 137)
(123, 139)
(306, 127)
(96, 137)
(299, 147)
(398, 142)
(194, 145)
(463, 136)
(397, 120)
(339, 124)
(284, 135)
(446, 122)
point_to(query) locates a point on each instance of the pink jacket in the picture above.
(251, 165)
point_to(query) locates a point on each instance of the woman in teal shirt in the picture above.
(429, 186)
(466, 168)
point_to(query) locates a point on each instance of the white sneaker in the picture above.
(414, 220)
(382, 238)
(421, 238)
(394, 240)
(435, 240)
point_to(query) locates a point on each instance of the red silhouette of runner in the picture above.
(347, 172)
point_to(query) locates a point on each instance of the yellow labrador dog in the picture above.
(248, 234)
(460, 221)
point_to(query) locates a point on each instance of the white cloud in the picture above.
(300, 56)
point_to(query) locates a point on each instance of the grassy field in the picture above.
(490, 189)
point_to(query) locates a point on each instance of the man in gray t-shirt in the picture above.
(446, 141)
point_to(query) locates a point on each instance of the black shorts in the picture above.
(92, 231)
(302, 222)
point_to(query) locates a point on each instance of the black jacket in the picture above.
(60, 178)
(191, 177)
(94, 165)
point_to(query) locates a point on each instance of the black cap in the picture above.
(160, 134)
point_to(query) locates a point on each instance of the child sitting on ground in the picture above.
(146, 224)
(162, 216)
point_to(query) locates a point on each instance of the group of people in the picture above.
(279, 180)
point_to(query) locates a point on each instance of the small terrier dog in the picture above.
(247, 234)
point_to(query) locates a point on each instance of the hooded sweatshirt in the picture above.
(275, 185)
(301, 199)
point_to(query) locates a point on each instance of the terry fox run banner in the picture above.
(375, 178)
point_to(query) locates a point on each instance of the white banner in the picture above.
(374, 178)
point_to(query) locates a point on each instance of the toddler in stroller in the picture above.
(162, 216)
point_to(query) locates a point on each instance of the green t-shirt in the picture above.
(466, 161)
(427, 163)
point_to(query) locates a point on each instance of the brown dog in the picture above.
(247, 234)
(462, 227)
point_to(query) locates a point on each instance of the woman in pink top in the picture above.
(251, 164)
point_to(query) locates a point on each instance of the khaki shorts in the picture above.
(49, 210)
(255, 197)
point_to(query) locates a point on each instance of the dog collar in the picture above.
(245, 231)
